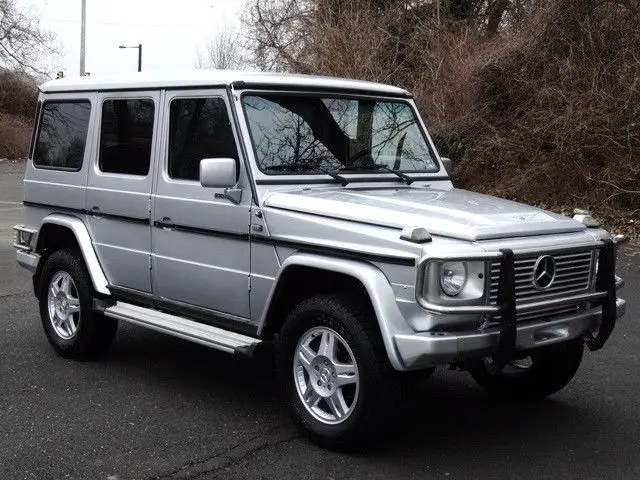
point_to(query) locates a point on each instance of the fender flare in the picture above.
(80, 231)
(381, 295)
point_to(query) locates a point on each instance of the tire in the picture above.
(549, 370)
(364, 397)
(66, 295)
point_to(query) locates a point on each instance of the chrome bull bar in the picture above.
(506, 307)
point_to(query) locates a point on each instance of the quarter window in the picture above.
(62, 135)
(198, 128)
(126, 133)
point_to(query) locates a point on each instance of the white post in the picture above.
(83, 34)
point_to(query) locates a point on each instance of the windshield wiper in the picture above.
(405, 178)
(308, 166)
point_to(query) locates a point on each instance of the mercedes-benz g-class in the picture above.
(233, 209)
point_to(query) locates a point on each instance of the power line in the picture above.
(128, 24)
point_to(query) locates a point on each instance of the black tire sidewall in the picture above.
(553, 368)
(336, 312)
(71, 262)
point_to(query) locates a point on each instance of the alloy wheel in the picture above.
(63, 305)
(326, 375)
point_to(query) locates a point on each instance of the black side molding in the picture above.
(94, 213)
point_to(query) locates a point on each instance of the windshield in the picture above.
(308, 134)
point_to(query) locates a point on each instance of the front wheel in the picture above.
(541, 373)
(333, 370)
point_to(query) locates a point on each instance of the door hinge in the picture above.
(249, 284)
(150, 263)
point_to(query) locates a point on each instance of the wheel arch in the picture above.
(63, 231)
(347, 274)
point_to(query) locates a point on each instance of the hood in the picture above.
(448, 212)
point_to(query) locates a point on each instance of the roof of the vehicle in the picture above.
(215, 78)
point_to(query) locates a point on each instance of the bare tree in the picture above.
(22, 41)
(224, 52)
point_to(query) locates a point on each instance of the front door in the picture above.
(119, 188)
(200, 237)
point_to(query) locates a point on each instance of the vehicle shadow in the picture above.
(446, 413)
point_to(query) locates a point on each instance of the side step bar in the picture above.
(207, 335)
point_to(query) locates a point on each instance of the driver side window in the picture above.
(198, 128)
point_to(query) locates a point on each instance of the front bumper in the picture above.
(595, 323)
(435, 348)
(28, 260)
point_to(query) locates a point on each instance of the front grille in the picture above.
(573, 276)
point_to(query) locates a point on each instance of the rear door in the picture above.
(200, 237)
(119, 188)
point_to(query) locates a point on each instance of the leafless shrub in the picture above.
(18, 93)
(555, 118)
(22, 40)
(538, 100)
(15, 133)
(224, 52)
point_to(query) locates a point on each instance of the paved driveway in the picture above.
(159, 407)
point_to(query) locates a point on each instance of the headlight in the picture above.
(453, 277)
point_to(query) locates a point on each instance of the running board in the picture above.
(180, 327)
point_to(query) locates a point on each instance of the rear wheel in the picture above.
(543, 372)
(333, 370)
(66, 308)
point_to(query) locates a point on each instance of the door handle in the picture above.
(95, 208)
(166, 224)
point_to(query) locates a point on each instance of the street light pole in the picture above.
(139, 47)
(83, 35)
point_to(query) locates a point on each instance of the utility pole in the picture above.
(83, 35)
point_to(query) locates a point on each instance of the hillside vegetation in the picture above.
(18, 97)
(537, 101)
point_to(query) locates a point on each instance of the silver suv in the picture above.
(236, 209)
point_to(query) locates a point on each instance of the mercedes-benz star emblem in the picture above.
(544, 272)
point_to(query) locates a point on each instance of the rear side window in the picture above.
(62, 135)
(126, 132)
(199, 128)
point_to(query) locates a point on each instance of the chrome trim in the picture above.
(22, 228)
(453, 257)
(420, 350)
(584, 297)
(23, 248)
(24, 238)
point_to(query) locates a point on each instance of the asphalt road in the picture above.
(159, 407)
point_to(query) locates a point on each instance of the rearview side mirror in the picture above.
(218, 172)
(448, 165)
